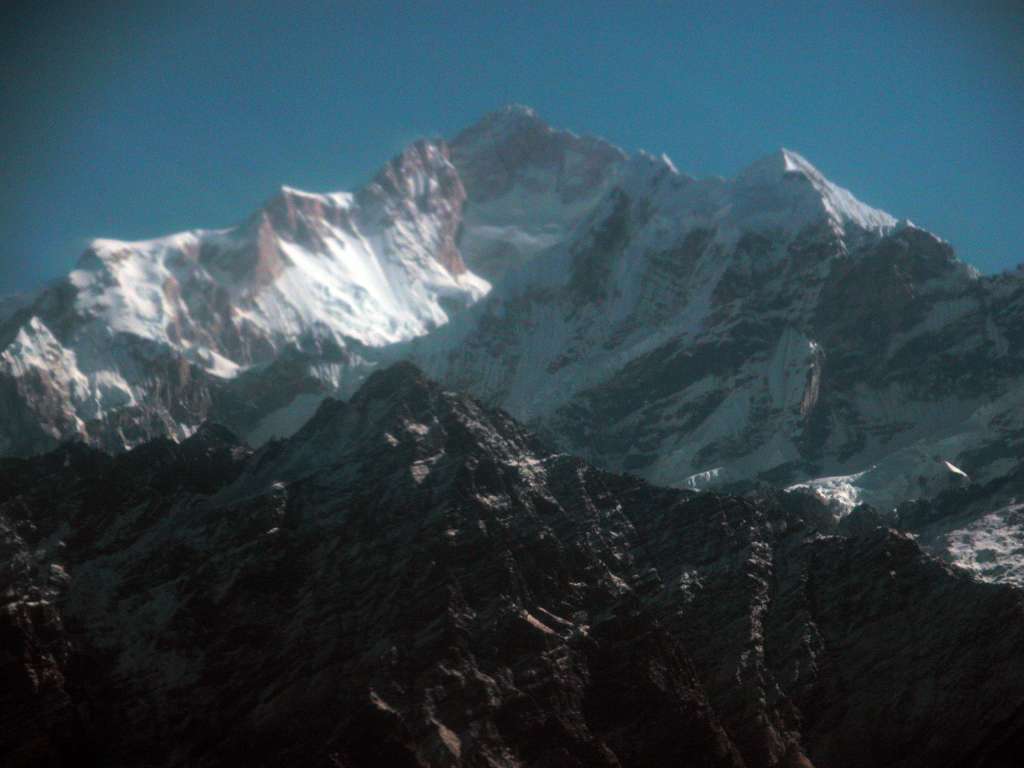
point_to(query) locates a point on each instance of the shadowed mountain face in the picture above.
(528, 186)
(413, 579)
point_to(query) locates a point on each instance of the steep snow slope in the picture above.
(643, 268)
(375, 267)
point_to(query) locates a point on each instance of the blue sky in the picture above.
(132, 122)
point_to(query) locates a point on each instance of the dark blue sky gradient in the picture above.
(132, 122)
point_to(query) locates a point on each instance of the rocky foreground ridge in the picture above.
(414, 579)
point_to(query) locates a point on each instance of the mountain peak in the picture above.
(403, 377)
(777, 165)
(212, 434)
(771, 177)
(516, 111)
(517, 115)
(527, 186)
(504, 124)
(399, 383)
(794, 161)
(408, 173)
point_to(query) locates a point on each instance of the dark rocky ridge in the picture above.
(412, 579)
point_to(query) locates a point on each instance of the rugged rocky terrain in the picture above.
(414, 579)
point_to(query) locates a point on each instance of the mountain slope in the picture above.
(769, 327)
(306, 270)
(346, 273)
(413, 579)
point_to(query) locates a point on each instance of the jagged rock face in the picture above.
(424, 181)
(412, 579)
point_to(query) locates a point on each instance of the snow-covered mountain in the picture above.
(148, 338)
(769, 328)
(439, 568)
(343, 270)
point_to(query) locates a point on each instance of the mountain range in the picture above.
(531, 451)
(768, 329)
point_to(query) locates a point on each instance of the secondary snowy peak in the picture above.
(528, 185)
(306, 271)
(378, 266)
(781, 196)
(783, 189)
(776, 165)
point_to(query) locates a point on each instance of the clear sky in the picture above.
(132, 120)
